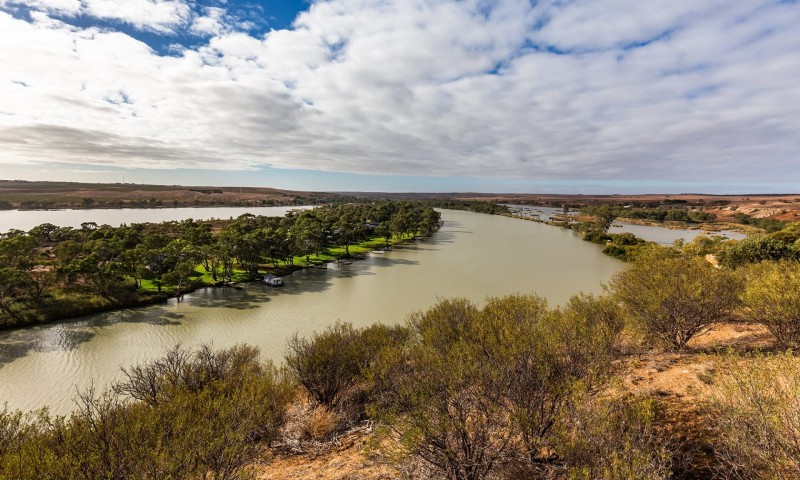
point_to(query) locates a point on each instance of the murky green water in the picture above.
(472, 256)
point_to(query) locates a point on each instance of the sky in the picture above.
(529, 96)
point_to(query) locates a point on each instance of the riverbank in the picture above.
(71, 306)
(51, 272)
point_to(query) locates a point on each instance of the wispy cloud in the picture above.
(597, 89)
(163, 16)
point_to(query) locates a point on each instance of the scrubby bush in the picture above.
(441, 398)
(676, 298)
(754, 249)
(754, 410)
(772, 297)
(204, 422)
(478, 388)
(329, 365)
(611, 440)
(701, 245)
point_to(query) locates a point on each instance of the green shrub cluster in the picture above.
(190, 415)
(332, 365)
(655, 214)
(675, 298)
(474, 392)
(771, 296)
(480, 390)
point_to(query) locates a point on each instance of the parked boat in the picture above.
(273, 280)
(378, 251)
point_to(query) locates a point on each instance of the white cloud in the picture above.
(600, 89)
(211, 23)
(162, 16)
(158, 15)
(61, 7)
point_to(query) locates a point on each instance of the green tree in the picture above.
(307, 234)
(44, 232)
(19, 251)
(349, 228)
(14, 289)
(384, 229)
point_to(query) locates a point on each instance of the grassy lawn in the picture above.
(335, 252)
(200, 276)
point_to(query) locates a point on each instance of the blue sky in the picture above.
(573, 96)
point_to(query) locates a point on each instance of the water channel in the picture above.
(651, 233)
(27, 219)
(473, 256)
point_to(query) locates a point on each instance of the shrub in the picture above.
(676, 298)
(754, 249)
(331, 363)
(755, 412)
(612, 440)
(446, 409)
(207, 415)
(477, 388)
(772, 297)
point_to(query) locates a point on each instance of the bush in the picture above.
(755, 413)
(612, 440)
(331, 363)
(477, 388)
(755, 249)
(204, 422)
(676, 298)
(446, 408)
(772, 297)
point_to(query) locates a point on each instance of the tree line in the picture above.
(51, 272)
(659, 214)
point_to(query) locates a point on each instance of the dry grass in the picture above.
(680, 382)
(315, 448)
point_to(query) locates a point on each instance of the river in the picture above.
(27, 219)
(473, 256)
